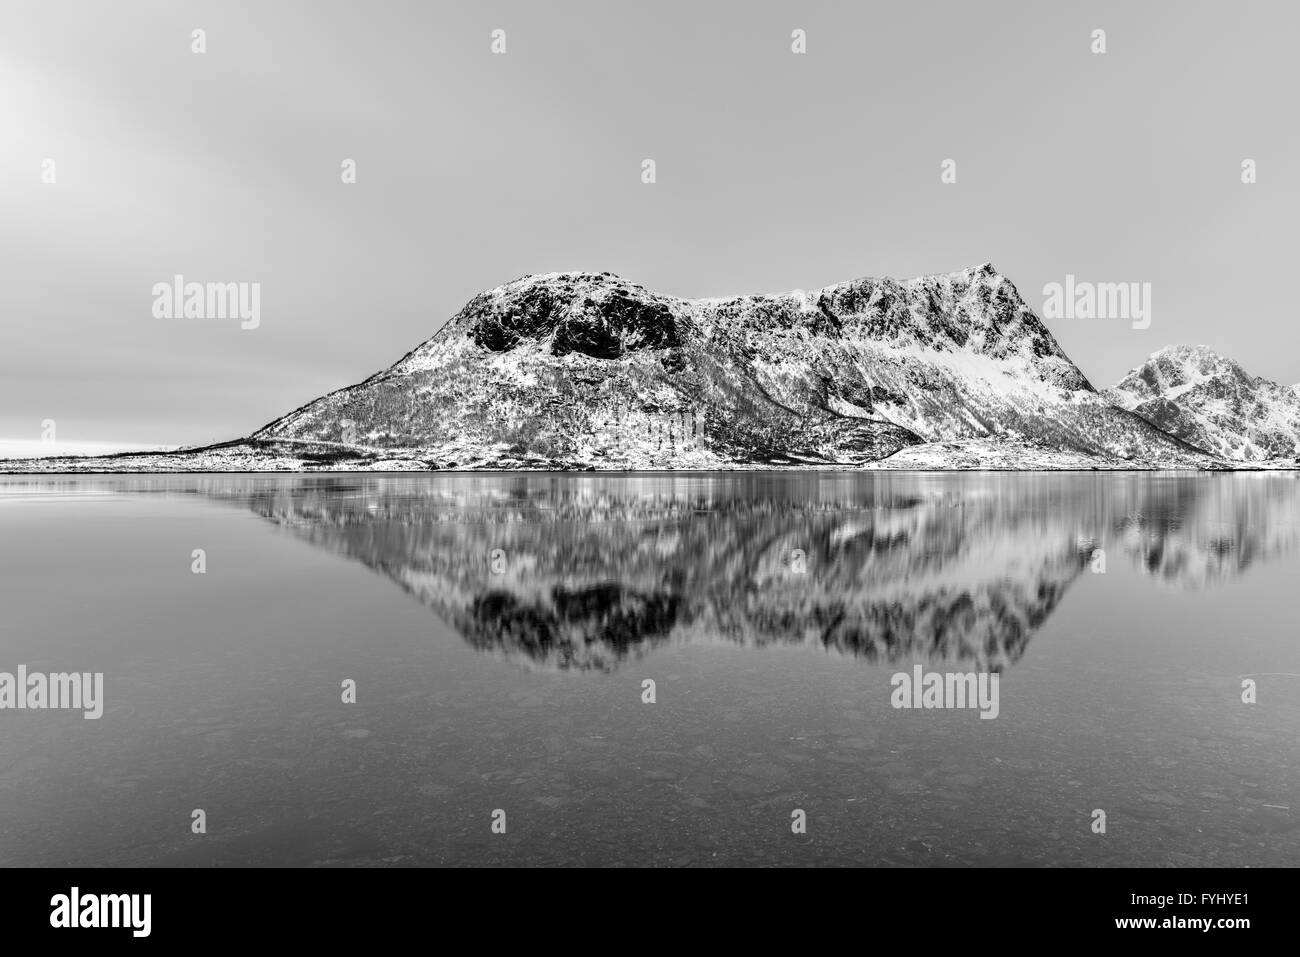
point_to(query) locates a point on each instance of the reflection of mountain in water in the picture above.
(1197, 534)
(585, 572)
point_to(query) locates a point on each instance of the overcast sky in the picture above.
(775, 171)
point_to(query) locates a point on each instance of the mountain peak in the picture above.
(1191, 353)
(605, 316)
(1211, 402)
(1172, 370)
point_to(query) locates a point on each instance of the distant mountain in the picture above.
(585, 370)
(1212, 403)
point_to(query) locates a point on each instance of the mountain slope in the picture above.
(584, 370)
(1212, 403)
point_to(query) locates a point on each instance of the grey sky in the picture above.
(775, 172)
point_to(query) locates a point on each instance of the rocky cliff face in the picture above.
(1212, 403)
(585, 370)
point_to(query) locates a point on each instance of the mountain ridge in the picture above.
(582, 370)
(592, 370)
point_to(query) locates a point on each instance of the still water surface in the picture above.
(499, 629)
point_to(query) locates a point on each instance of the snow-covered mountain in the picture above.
(586, 370)
(583, 370)
(1212, 403)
